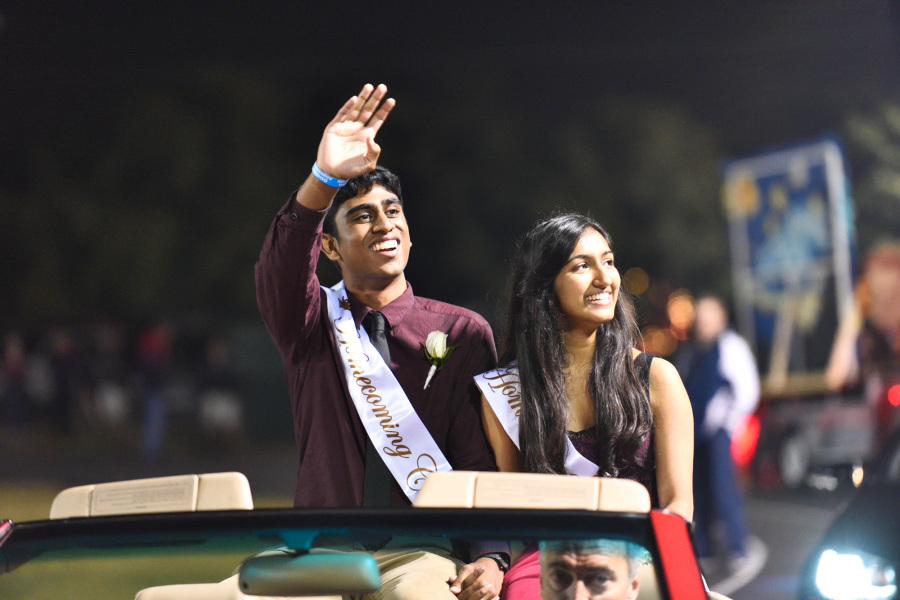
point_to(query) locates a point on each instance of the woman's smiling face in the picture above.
(587, 287)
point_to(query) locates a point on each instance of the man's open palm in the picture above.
(348, 147)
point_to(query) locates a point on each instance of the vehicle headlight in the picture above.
(855, 576)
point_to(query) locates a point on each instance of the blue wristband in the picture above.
(326, 178)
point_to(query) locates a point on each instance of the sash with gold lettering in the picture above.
(391, 422)
(503, 392)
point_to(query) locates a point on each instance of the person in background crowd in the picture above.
(722, 381)
(867, 345)
(68, 381)
(109, 374)
(220, 411)
(155, 359)
(366, 350)
(13, 401)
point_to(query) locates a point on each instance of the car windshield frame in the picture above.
(250, 531)
(299, 528)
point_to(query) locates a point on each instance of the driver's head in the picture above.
(589, 570)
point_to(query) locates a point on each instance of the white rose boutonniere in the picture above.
(436, 352)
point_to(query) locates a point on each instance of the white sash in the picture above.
(403, 441)
(503, 392)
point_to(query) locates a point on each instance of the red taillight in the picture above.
(743, 446)
(893, 395)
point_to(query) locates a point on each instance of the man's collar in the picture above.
(393, 312)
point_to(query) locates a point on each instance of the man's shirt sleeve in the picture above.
(287, 288)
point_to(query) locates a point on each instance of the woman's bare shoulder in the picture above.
(662, 370)
(665, 383)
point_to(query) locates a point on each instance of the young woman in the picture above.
(591, 403)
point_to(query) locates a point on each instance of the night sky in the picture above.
(750, 69)
(754, 75)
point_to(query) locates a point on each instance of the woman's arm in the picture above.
(673, 425)
(843, 364)
(505, 452)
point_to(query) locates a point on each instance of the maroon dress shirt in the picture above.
(331, 440)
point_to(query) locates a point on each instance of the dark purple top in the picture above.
(587, 442)
(331, 440)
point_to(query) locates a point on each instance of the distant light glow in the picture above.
(679, 334)
(857, 475)
(659, 341)
(636, 281)
(680, 310)
(893, 395)
(854, 576)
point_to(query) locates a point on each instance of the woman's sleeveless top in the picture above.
(587, 442)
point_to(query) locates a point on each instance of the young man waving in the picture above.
(372, 417)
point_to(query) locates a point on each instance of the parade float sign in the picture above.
(792, 249)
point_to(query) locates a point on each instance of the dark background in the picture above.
(144, 148)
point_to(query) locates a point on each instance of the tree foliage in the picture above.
(873, 143)
(155, 201)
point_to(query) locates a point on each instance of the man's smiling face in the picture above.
(372, 243)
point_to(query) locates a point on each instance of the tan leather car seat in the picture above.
(470, 489)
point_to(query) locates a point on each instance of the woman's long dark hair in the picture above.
(534, 339)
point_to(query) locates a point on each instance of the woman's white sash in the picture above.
(403, 441)
(503, 391)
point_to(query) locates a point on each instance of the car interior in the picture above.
(281, 573)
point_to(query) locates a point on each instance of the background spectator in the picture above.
(722, 381)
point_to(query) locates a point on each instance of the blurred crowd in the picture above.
(105, 377)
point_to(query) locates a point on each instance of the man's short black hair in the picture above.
(358, 186)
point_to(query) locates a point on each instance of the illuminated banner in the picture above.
(792, 250)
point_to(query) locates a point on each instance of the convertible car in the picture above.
(197, 537)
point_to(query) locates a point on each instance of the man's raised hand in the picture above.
(348, 147)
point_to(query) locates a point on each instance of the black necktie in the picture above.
(378, 480)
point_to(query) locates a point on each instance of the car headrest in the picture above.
(475, 489)
(179, 493)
